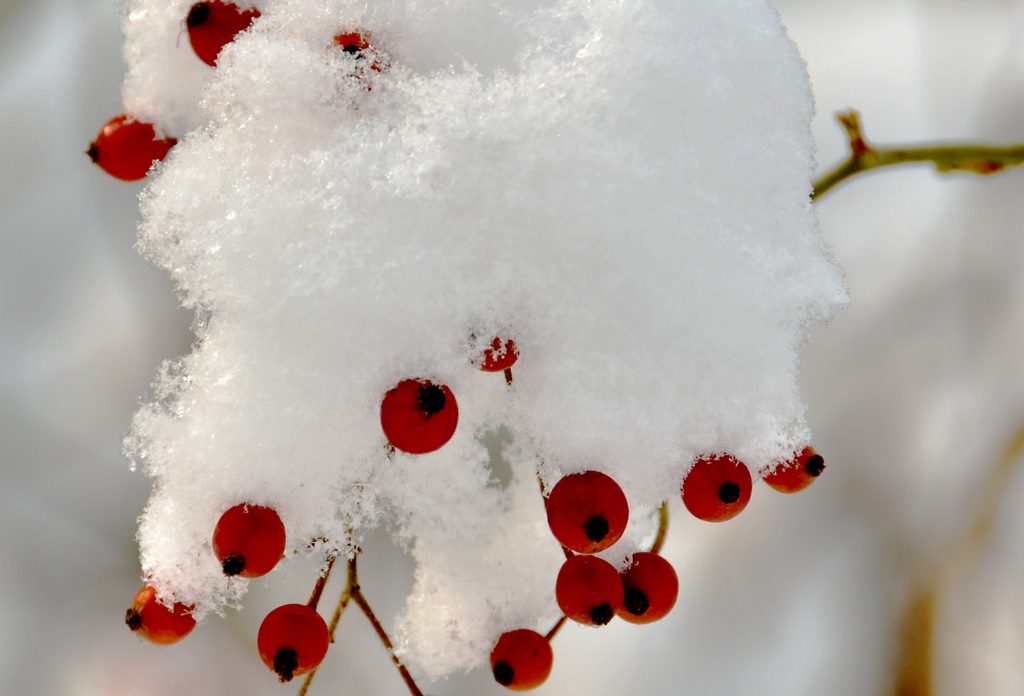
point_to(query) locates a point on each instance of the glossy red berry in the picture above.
(587, 512)
(500, 356)
(126, 148)
(798, 473)
(419, 416)
(717, 488)
(292, 640)
(249, 540)
(589, 590)
(651, 587)
(213, 25)
(521, 660)
(156, 623)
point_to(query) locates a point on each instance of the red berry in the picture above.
(419, 416)
(651, 587)
(292, 640)
(249, 540)
(500, 356)
(155, 622)
(589, 590)
(357, 44)
(521, 660)
(587, 512)
(213, 25)
(717, 488)
(798, 473)
(126, 148)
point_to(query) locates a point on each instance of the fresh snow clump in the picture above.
(620, 186)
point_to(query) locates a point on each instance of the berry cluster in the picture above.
(248, 541)
(587, 513)
(127, 148)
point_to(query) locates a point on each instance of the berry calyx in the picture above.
(249, 540)
(292, 640)
(149, 619)
(213, 25)
(521, 660)
(419, 416)
(717, 488)
(589, 590)
(798, 473)
(587, 512)
(126, 148)
(650, 588)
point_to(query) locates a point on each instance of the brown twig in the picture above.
(321, 582)
(359, 599)
(332, 627)
(980, 159)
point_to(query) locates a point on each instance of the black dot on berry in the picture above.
(431, 399)
(93, 152)
(636, 601)
(729, 492)
(133, 619)
(198, 15)
(815, 465)
(596, 528)
(602, 614)
(286, 661)
(351, 48)
(503, 673)
(233, 565)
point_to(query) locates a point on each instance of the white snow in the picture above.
(621, 186)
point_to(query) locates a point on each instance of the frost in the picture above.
(619, 185)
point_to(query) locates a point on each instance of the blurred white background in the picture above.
(914, 393)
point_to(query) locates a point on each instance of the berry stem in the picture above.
(508, 376)
(346, 596)
(321, 582)
(979, 159)
(555, 629)
(359, 599)
(659, 540)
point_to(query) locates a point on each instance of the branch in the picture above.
(979, 159)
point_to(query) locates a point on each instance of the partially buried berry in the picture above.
(521, 660)
(213, 25)
(249, 540)
(717, 488)
(589, 590)
(419, 416)
(587, 512)
(149, 619)
(500, 356)
(126, 149)
(651, 587)
(798, 473)
(292, 640)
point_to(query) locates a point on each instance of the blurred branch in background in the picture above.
(917, 640)
(979, 159)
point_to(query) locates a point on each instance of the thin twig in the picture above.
(659, 540)
(555, 629)
(342, 603)
(359, 599)
(980, 159)
(321, 582)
